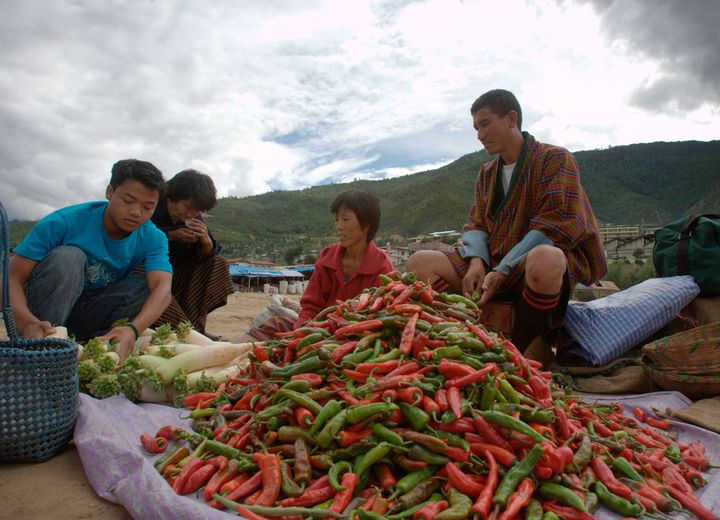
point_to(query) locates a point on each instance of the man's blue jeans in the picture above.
(55, 293)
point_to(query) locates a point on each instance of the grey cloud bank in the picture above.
(285, 95)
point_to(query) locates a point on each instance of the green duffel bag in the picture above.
(690, 245)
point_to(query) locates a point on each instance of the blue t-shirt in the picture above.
(108, 260)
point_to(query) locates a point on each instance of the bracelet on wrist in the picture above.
(134, 329)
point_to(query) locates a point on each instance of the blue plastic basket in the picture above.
(38, 385)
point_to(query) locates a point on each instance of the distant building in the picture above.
(400, 254)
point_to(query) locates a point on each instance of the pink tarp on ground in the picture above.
(108, 431)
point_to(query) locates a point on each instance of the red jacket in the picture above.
(328, 284)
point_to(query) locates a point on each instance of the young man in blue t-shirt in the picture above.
(75, 267)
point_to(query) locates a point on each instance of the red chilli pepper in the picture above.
(658, 423)
(476, 376)
(518, 500)
(153, 444)
(270, 469)
(304, 416)
(359, 327)
(462, 482)
(429, 511)
(408, 334)
(607, 477)
(342, 499)
(455, 401)
(441, 399)
(640, 414)
(315, 380)
(166, 432)
(484, 501)
(198, 478)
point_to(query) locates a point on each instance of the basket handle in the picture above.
(5, 261)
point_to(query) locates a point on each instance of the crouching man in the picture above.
(75, 267)
(531, 233)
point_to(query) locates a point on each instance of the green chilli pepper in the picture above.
(310, 339)
(371, 457)
(507, 389)
(330, 410)
(488, 395)
(336, 470)
(582, 456)
(458, 298)
(417, 418)
(617, 503)
(271, 411)
(412, 479)
(417, 452)
(591, 502)
(534, 510)
(515, 474)
(331, 429)
(623, 466)
(289, 486)
(419, 493)
(561, 494)
(386, 434)
(460, 506)
(388, 356)
(452, 352)
(358, 413)
(301, 400)
(507, 421)
(293, 433)
(311, 364)
(298, 385)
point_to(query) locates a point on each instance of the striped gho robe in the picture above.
(545, 204)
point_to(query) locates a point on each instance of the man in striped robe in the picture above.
(531, 234)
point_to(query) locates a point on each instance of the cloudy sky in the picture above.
(267, 95)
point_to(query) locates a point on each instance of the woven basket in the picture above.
(38, 386)
(693, 386)
(688, 362)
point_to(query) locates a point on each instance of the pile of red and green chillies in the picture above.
(398, 404)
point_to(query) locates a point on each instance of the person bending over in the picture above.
(201, 280)
(75, 267)
(531, 233)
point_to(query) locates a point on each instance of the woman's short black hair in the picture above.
(195, 186)
(364, 204)
(142, 171)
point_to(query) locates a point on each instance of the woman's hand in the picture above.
(182, 235)
(198, 228)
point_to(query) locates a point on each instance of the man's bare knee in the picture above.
(425, 264)
(544, 268)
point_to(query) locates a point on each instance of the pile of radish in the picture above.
(166, 365)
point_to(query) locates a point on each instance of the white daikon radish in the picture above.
(151, 362)
(202, 358)
(60, 333)
(221, 376)
(149, 395)
(193, 377)
(195, 338)
(174, 348)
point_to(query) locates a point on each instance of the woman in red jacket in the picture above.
(344, 269)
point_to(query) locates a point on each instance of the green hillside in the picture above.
(648, 184)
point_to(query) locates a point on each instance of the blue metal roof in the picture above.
(246, 271)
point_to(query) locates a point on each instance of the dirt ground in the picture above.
(58, 488)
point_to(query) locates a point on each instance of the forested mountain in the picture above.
(648, 184)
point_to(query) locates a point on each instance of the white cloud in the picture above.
(284, 95)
